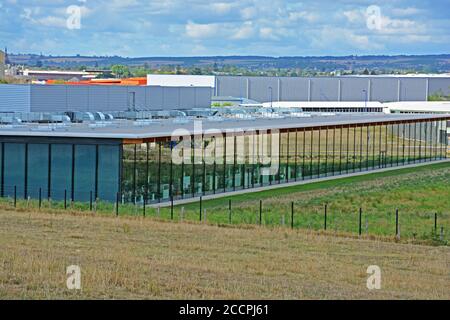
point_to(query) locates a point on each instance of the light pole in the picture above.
(271, 96)
(365, 100)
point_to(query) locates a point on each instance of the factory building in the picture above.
(180, 158)
(311, 89)
(343, 88)
(61, 98)
(2, 64)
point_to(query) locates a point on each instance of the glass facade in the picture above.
(192, 166)
(160, 169)
(66, 169)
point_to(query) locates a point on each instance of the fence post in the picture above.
(292, 215)
(143, 208)
(260, 212)
(200, 216)
(442, 233)
(65, 199)
(117, 203)
(396, 223)
(435, 223)
(360, 221)
(325, 218)
(171, 207)
(40, 198)
(15, 196)
(90, 201)
(229, 211)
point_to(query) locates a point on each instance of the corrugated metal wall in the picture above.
(324, 89)
(439, 85)
(116, 98)
(14, 98)
(352, 89)
(383, 89)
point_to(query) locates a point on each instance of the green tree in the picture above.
(121, 71)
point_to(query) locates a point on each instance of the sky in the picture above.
(140, 28)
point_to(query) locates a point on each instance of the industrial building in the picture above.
(60, 98)
(2, 64)
(387, 88)
(155, 143)
(43, 75)
(342, 88)
(160, 159)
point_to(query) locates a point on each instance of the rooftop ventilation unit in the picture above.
(83, 117)
(10, 120)
(99, 116)
(131, 115)
(201, 113)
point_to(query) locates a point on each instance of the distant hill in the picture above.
(419, 63)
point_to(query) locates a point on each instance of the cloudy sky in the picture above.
(243, 27)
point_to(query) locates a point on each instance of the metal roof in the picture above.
(420, 106)
(166, 128)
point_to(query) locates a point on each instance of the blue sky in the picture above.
(243, 27)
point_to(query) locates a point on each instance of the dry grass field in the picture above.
(132, 257)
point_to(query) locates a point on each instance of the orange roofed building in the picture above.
(104, 82)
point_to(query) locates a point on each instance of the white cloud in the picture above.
(221, 7)
(400, 26)
(199, 31)
(354, 16)
(341, 37)
(303, 15)
(267, 33)
(406, 11)
(244, 32)
(248, 13)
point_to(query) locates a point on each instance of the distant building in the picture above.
(344, 88)
(43, 75)
(104, 82)
(104, 98)
(169, 80)
(2, 64)
(382, 88)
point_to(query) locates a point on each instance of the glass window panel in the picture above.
(209, 164)
(283, 157)
(84, 178)
(153, 172)
(239, 173)
(166, 157)
(14, 169)
(177, 167)
(292, 156)
(108, 172)
(38, 170)
(128, 172)
(141, 172)
(61, 171)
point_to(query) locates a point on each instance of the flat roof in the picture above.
(324, 104)
(420, 106)
(126, 129)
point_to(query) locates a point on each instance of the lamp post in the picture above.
(271, 96)
(365, 100)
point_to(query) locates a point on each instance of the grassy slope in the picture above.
(142, 258)
(417, 192)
